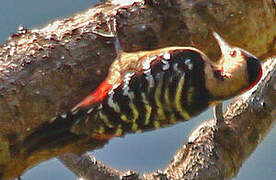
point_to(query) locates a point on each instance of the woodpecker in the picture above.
(151, 89)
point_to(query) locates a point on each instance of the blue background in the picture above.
(143, 152)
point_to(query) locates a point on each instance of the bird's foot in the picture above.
(217, 112)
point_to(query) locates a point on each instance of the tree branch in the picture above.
(87, 167)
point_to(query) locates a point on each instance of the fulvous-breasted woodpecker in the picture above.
(151, 89)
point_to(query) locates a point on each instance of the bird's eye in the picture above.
(233, 53)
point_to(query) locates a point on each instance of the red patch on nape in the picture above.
(98, 95)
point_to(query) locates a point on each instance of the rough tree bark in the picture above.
(47, 71)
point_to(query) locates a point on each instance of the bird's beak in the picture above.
(224, 46)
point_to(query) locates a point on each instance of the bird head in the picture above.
(235, 72)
